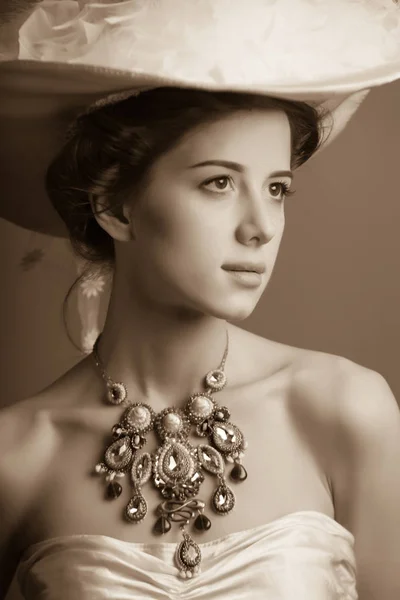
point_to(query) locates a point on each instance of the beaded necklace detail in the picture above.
(177, 467)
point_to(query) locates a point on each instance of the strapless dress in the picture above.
(305, 555)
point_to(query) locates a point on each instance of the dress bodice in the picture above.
(305, 555)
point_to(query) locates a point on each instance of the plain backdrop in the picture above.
(336, 284)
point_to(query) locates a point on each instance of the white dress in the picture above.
(305, 555)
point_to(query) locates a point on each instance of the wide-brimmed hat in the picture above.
(76, 56)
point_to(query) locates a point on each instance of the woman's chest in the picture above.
(284, 475)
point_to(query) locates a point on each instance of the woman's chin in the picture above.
(234, 310)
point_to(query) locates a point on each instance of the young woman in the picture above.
(269, 471)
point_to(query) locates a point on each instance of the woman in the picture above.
(180, 192)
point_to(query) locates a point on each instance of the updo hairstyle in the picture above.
(112, 150)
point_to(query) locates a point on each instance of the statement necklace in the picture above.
(176, 467)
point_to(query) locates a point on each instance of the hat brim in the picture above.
(65, 79)
(39, 99)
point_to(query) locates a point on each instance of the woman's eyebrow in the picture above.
(238, 167)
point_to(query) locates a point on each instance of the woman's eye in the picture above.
(224, 183)
(280, 190)
(219, 183)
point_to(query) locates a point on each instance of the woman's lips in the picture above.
(246, 278)
(245, 267)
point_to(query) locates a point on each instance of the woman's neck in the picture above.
(161, 358)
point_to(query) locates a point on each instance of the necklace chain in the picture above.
(110, 381)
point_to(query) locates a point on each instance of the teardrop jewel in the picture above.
(113, 490)
(188, 557)
(136, 509)
(119, 454)
(223, 499)
(238, 473)
(202, 523)
(162, 525)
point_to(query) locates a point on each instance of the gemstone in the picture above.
(227, 437)
(199, 408)
(139, 417)
(141, 468)
(189, 553)
(238, 473)
(210, 459)
(223, 499)
(216, 379)
(176, 462)
(119, 454)
(136, 509)
(162, 525)
(116, 393)
(202, 523)
(172, 422)
(113, 490)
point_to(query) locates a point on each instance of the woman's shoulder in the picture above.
(332, 388)
(307, 369)
(28, 437)
(341, 404)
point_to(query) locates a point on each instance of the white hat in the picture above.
(76, 56)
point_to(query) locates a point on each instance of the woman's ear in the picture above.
(115, 221)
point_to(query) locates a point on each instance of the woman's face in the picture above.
(194, 221)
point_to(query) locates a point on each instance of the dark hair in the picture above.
(112, 149)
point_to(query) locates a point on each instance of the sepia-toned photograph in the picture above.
(199, 313)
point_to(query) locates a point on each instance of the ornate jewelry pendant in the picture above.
(176, 471)
(188, 557)
(188, 554)
(136, 508)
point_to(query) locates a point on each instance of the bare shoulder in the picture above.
(352, 414)
(25, 434)
(351, 395)
(25, 438)
(27, 429)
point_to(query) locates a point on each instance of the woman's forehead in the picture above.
(234, 138)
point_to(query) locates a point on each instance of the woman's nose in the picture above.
(260, 223)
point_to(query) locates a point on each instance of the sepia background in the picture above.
(335, 288)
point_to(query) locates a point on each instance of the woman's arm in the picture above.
(369, 447)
